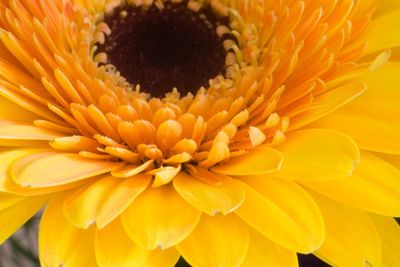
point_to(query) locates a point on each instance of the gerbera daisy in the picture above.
(226, 132)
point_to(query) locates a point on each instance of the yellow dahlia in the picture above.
(226, 132)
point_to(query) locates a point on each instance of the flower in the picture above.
(281, 135)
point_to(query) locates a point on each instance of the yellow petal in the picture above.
(81, 206)
(389, 232)
(263, 252)
(260, 160)
(52, 168)
(373, 118)
(62, 244)
(14, 216)
(13, 112)
(317, 155)
(386, 7)
(210, 199)
(7, 184)
(351, 237)
(374, 186)
(217, 241)
(7, 200)
(120, 198)
(283, 212)
(387, 27)
(328, 102)
(19, 131)
(115, 249)
(159, 217)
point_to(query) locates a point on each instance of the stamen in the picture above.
(161, 48)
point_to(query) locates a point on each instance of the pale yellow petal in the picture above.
(52, 168)
(211, 199)
(18, 131)
(159, 217)
(351, 237)
(7, 184)
(61, 243)
(217, 241)
(263, 252)
(283, 212)
(372, 119)
(14, 216)
(317, 155)
(389, 232)
(374, 186)
(260, 160)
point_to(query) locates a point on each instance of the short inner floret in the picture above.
(165, 48)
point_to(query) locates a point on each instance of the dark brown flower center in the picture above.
(160, 49)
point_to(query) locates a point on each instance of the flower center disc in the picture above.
(165, 48)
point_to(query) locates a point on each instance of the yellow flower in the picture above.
(228, 132)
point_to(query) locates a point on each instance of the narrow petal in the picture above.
(374, 186)
(159, 217)
(52, 168)
(317, 155)
(263, 252)
(260, 160)
(389, 232)
(120, 198)
(14, 216)
(19, 131)
(283, 212)
(351, 237)
(115, 249)
(217, 241)
(208, 198)
(387, 27)
(373, 118)
(61, 243)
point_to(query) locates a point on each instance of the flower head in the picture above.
(231, 133)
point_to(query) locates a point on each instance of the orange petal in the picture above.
(159, 217)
